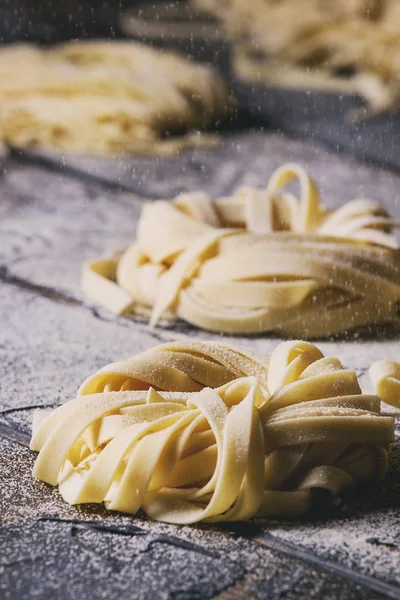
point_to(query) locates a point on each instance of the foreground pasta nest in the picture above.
(260, 260)
(105, 97)
(203, 431)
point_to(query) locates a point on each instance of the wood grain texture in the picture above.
(242, 158)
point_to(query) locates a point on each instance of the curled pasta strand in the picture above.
(260, 260)
(385, 377)
(196, 431)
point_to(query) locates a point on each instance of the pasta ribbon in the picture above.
(106, 97)
(202, 431)
(385, 376)
(259, 260)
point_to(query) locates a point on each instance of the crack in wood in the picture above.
(48, 292)
(96, 544)
(41, 290)
(51, 164)
(61, 297)
(7, 411)
(98, 525)
(260, 536)
(128, 530)
(13, 434)
(377, 542)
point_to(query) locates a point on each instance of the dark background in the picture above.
(59, 20)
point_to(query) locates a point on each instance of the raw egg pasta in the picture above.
(106, 98)
(194, 431)
(259, 260)
(346, 46)
(385, 376)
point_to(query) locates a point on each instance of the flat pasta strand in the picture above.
(385, 377)
(202, 431)
(260, 260)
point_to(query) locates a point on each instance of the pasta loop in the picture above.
(260, 260)
(385, 376)
(205, 432)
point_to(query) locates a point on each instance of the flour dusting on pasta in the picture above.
(259, 260)
(198, 431)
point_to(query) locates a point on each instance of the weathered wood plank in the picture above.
(50, 224)
(245, 158)
(247, 570)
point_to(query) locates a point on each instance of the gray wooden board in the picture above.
(324, 116)
(240, 158)
(51, 339)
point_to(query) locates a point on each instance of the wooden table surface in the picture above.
(56, 213)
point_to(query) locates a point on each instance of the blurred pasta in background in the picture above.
(349, 46)
(106, 97)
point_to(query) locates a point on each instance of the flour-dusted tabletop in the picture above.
(51, 339)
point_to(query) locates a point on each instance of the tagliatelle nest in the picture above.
(260, 260)
(203, 431)
(106, 97)
(343, 46)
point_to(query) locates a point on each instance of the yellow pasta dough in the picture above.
(260, 260)
(105, 97)
(197, 431)
(385, 376)
(344, 46)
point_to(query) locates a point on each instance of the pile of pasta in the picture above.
(203, 431)
(349, 46)
(259, 260)
(197, 431)
(106, 97)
